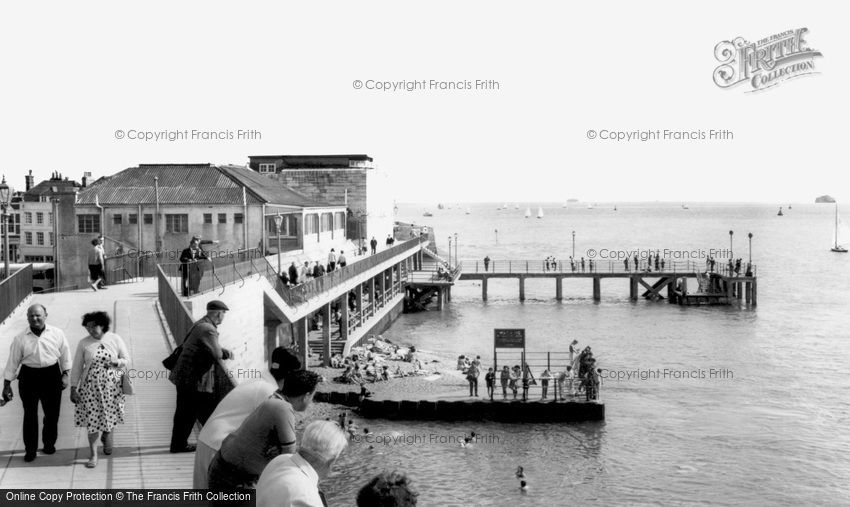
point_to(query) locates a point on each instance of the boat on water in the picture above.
(427, 214)
(572, 200)
(468, 211)
(685, 206)
(780, 212)
(615, 207)
(540, 212)
(589, 206)
(440, 206)
(527, 212)
(836, 247)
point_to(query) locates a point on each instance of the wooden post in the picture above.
(484, 288)
(326, 334)
(559, 288)
(439, 298)
(372, 299)
(522, 288)
(301, 340)
(753, 291)
(748, 287)
(358, 292)
(597, 292)
(633, 288)
(671, 297)
(730, 295)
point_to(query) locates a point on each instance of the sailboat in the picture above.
(780, 212)
(589, 206)
(615, 207)
(685, 206)
(540, 212)
(837, 248)
(468, 211)
(527, 212)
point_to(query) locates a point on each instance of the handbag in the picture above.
(171, 361)
(127, 386)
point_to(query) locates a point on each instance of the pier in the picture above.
(721, 285)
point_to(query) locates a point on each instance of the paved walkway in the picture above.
(141, 458)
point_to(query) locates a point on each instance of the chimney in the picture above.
(30, 181)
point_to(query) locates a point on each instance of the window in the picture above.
(311, 223)
(339, 220)
(326, 222)
(51, 240)
(88, 223)
(222, 218)
(39, 238)
(133, 219)
(28, 217)
(177, 223)
(28, 238)
(39, 218)
(207, 218)
(266, 168)
(148, 218)
(116, 219)
(50, 218)
(237, 218)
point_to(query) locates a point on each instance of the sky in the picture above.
(75, 76)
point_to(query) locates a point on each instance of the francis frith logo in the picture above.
(766, 63)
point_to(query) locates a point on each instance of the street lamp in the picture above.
(450, 250)
(574, 244)
(5, 199)
(730, 244)
(278, 219)
(750, 236)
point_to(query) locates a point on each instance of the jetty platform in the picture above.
(720, 285)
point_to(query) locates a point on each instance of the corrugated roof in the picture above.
(189, 184)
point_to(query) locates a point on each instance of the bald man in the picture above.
(40, 359)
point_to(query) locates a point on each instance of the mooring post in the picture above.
(748, 287)
(559, 288)
(753, 291)
(522, 288)
(597, 293)
(301, 335)
(633, 288)
(439, 298)
(326, 334)
(484, 288)
(670, 287)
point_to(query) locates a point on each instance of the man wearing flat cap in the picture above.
(192, 270)
(193, 373)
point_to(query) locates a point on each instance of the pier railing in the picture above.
(298, 294)
(519, 266)
(205, 275)
(536, 363)
(14, 289)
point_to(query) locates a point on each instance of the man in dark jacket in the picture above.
(191, 270)
(374, 244)
(201, 351)
(293, 273)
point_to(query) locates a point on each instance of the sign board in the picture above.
(509, 338)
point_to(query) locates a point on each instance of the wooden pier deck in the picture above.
(718, 285)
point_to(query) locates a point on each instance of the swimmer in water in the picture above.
(519, 473)
(523, 486)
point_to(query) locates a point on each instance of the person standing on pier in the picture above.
(44, 358)
(201, 350)
(190, 270)
(504, 377)
(374, 244)
(636, 262)
(293, 274)
(96, 263)
(544, 382)
(490, 379)
(626, 264)
(486, 262)
(472, 376)
(331, 260)
(582, 264)
(341, 261)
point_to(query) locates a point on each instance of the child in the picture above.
(525, 381)
(544, 382)
(490, 379)
(513, 379)
(505, 377)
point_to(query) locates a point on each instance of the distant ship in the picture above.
(685, 206)
(440, 206)
(589, 206)
(527, 212)
(427, 214)
(540, 212)
(837, 248)
(468, 211)
(780, 212)
(572, 200)
(615, 207)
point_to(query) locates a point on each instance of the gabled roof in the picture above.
(49, 187)
(189, 184)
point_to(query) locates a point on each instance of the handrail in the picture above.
(14, 290)
(670, 267)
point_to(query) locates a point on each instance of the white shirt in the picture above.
(38, 351)
(332, 257)
(288, 480)
(232, 411)
(87, 348)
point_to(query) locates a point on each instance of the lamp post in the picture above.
(750, 237)
(730, 244)
(5, 199)
(278, 219)
(456, 256)
(574, 244)
(450, 250)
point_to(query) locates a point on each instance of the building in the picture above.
(159, 207)
(36, 213)
(352, 181)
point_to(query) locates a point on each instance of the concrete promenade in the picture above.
(140, 458)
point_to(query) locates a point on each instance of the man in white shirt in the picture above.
(331, 260)
(44, 358)
(293, 479)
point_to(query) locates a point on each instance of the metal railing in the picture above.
(205, 275)
(589, 266)
(303, 292)
(132, 265)
(535, 363)
(13, 290)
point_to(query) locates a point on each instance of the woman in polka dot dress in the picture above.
(98, 365)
